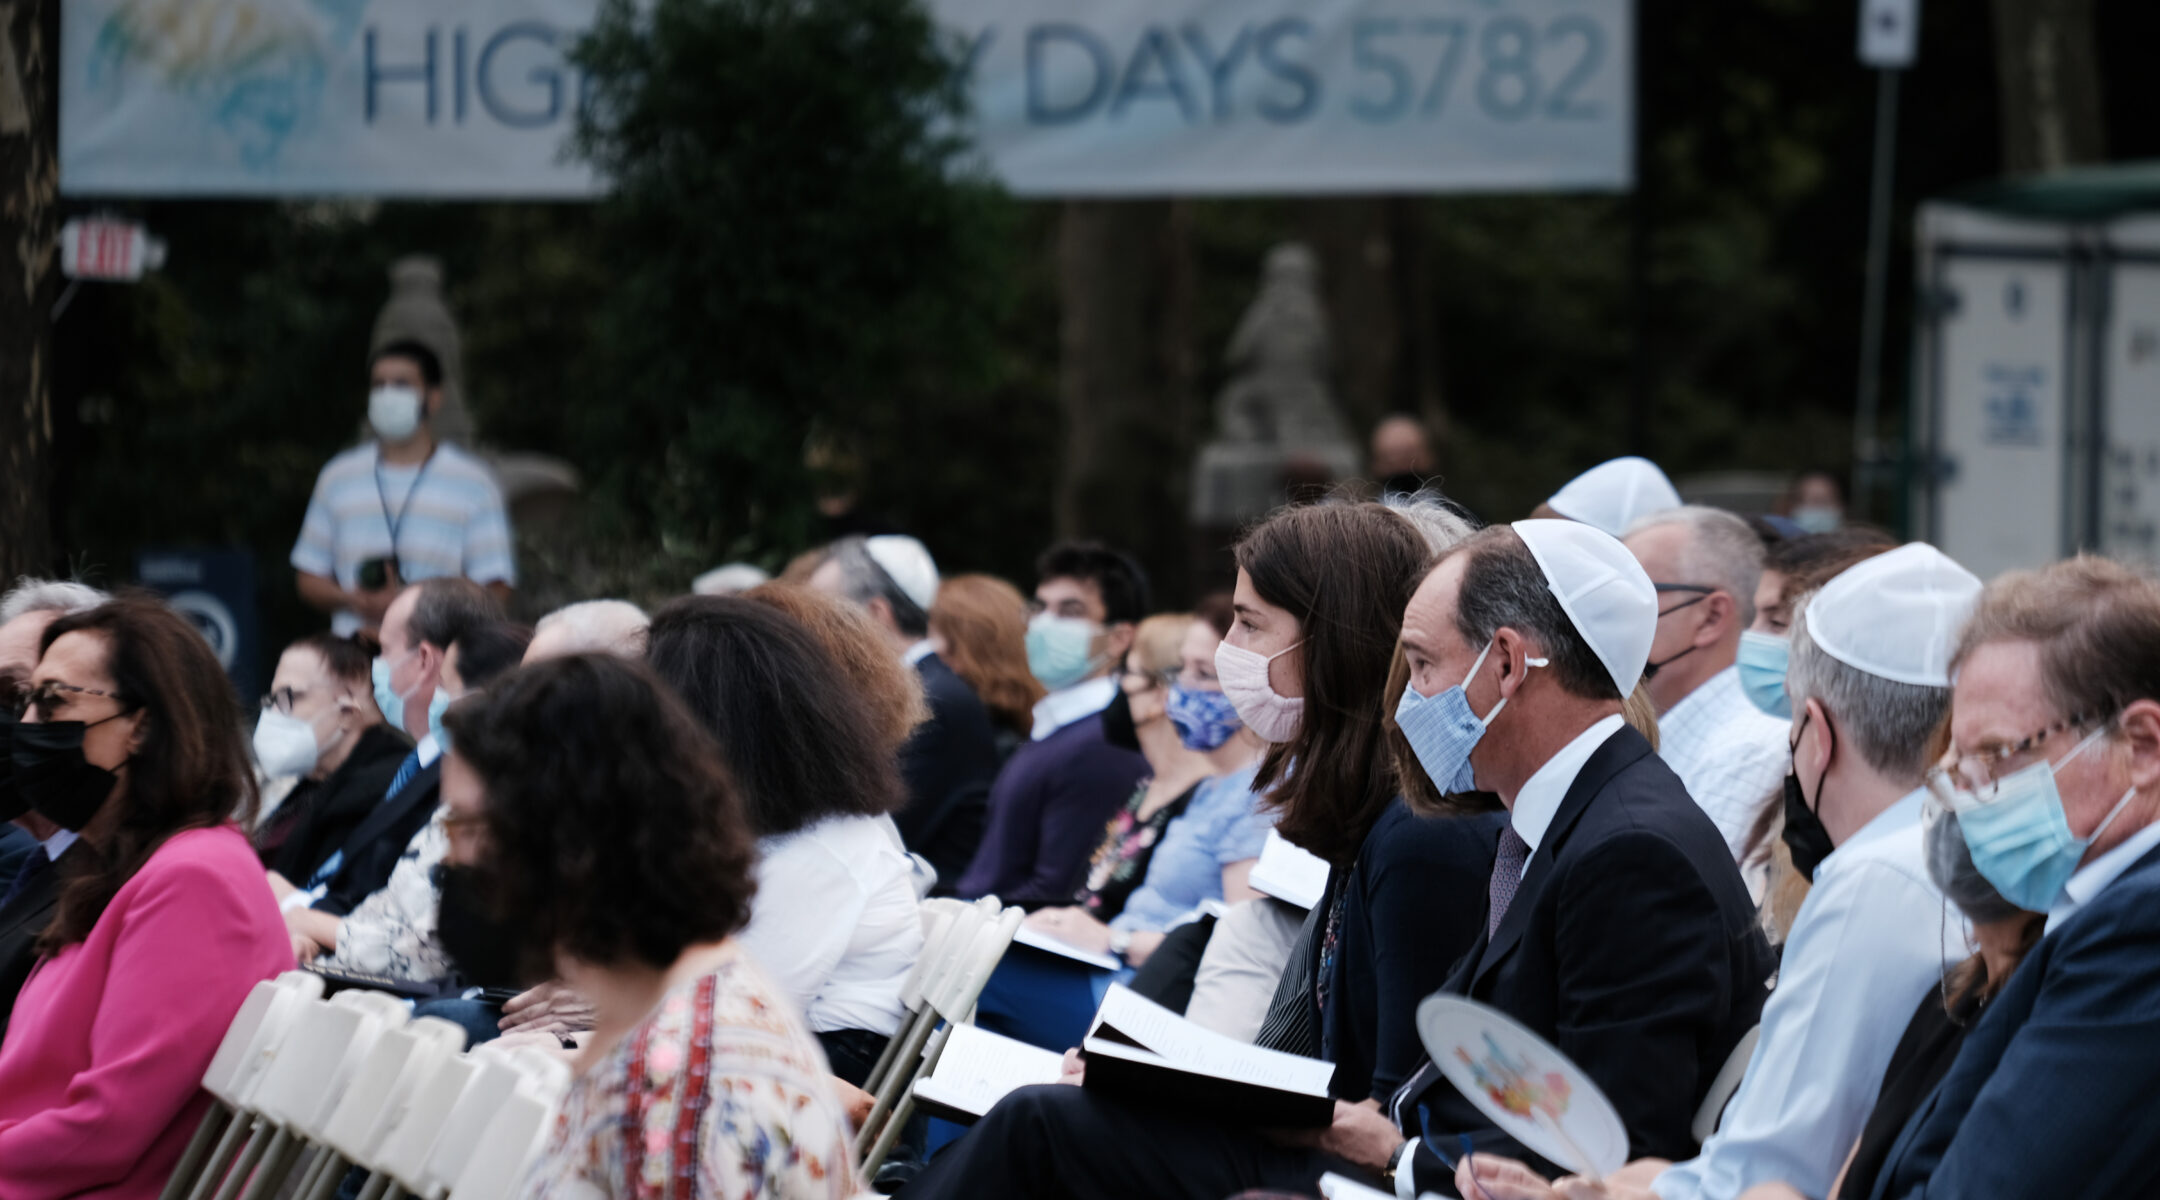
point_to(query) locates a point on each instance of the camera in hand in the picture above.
(375, 574)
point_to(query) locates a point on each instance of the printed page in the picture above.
(979, 1068)
(1043, 941)
(1289, 872)
(1180, 1043)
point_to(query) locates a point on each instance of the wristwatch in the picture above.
(1120, 939)
(1394, 1162)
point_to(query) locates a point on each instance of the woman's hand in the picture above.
(1073, 1071)
(856, 1101)
(1072, 927)
(549, 1008)
(304, 949)
(1141, 947)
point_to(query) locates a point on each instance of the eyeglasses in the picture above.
(1148, 681)
(1979, 773)
(52, 696)
(283, 699)
(1700, 593)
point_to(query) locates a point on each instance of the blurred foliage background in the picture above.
(789, 260)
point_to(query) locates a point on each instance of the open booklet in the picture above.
(1289, 872)
(1050, 945)
(979, 1068)
(1142, 1052)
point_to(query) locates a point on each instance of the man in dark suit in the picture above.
(949, 762)
(2051, 1094)
(1617, 925)
(27, 904)
(417, 631)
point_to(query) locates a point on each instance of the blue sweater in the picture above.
(1047, 811)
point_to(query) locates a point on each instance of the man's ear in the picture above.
(1118, 639)
(1724, 615)
(2140, 725)
(1514, 652)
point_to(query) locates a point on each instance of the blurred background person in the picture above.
(980, 626)
(948, 763)
(1402, 455)
(836, 921)
(319, 722)
(130, 737)
(590, 627)
(1815, 501)
(1051, 798)
(402, 507)
(613, 842)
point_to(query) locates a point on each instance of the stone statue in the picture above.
(1276, 420)
(416, 311)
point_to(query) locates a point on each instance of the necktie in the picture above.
(405, 772)
(33, 867)
(1506, 876)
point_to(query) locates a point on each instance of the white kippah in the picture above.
(908, 563)
(1603, 590)
(1896, 616)
(1614, 495)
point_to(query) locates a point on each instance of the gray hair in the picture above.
(863, 580)
(1892, 724)
(1441, 525)
(58, 596)
(1721, 552)
(729, 579)
(595, 627)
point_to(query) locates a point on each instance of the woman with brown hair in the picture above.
(893, 692)
(130, 739)
(980, 626)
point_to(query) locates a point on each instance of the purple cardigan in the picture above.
(1048, 809)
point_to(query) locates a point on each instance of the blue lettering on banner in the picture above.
(514, 86)
(1040, 108)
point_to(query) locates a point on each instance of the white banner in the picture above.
(1137, 97)
(473, 98)
(470, 98)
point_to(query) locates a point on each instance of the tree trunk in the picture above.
(1125, 381)
(1379, 308)
(29, 199)
(2047, 66)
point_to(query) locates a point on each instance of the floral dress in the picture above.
(720, 1094)
(1121, 861)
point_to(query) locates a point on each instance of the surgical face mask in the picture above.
(285, 744)
(1204, 720)
(1244, 675)
(1442, 730)
(1818, 518)
(1950, 866)
(436, 707)
(393, 410)
(1806, 838)
(2020, 838)
(388, 698)
(1058, 649)
(1763, 658)
(55, 781)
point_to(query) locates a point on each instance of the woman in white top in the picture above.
(835, 921)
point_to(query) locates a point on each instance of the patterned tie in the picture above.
(1506, 876)
(405, 772)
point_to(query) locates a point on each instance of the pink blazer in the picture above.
(101, 1073)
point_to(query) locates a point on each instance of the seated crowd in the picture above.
(1679, 792)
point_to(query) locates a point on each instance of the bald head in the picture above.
(614, 627)
(1400, 447)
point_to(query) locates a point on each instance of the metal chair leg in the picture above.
(277, 1164)
(221, 1159)
(198, 1149)
(250, 1155)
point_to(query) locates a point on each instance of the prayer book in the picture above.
(977, 1069)
(1050, 945)
(1289, 872)
(1143, 1053)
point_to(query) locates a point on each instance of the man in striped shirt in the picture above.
(402, 507)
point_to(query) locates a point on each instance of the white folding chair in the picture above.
(951, 998)
(515, 1131)
(938, 919)
(402, 1061)
(299, 1088)
(939, 961)
(404, 1155)
(250, 1042)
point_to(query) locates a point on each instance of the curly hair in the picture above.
(614, 833)
(191, 770)
(794, 734)
(892, 689)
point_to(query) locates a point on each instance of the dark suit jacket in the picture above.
(373, 849)
(2052, 1093)
(21, 922)
(317, 818)
(16, 847)
(1632, 946)
(948, 765)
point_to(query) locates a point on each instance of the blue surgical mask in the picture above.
(2021, 840)
(1203, 720)
(386, 697)
(436, 707)
(1442, 731)
(1763, 657)
(1818, 518)
(1057, 649)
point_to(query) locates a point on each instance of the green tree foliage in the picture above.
(794, 247)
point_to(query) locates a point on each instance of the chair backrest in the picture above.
(252, 1039)
(516, 1131)
(973, 966)
(404, 1154)
(1722, 1088)
(494, 1082)
(328, 1043)
(402, 1061)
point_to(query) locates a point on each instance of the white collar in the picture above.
(57, 844)
(2094, 877)
(1083, 699)
(1539, 800)
(428, 751)
(922, 649)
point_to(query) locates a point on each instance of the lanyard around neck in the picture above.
(397, 523)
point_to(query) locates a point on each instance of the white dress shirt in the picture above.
(57, 844)
(1731, 755)
(835, 922)
(1539, 800)
(2093, 878)
(1066, 705)
(922, 649)
(1872, 938)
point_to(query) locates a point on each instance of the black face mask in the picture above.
(52, 776)
(1804, 835)
(1117, 723)
(483, 950)
(12, 804)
